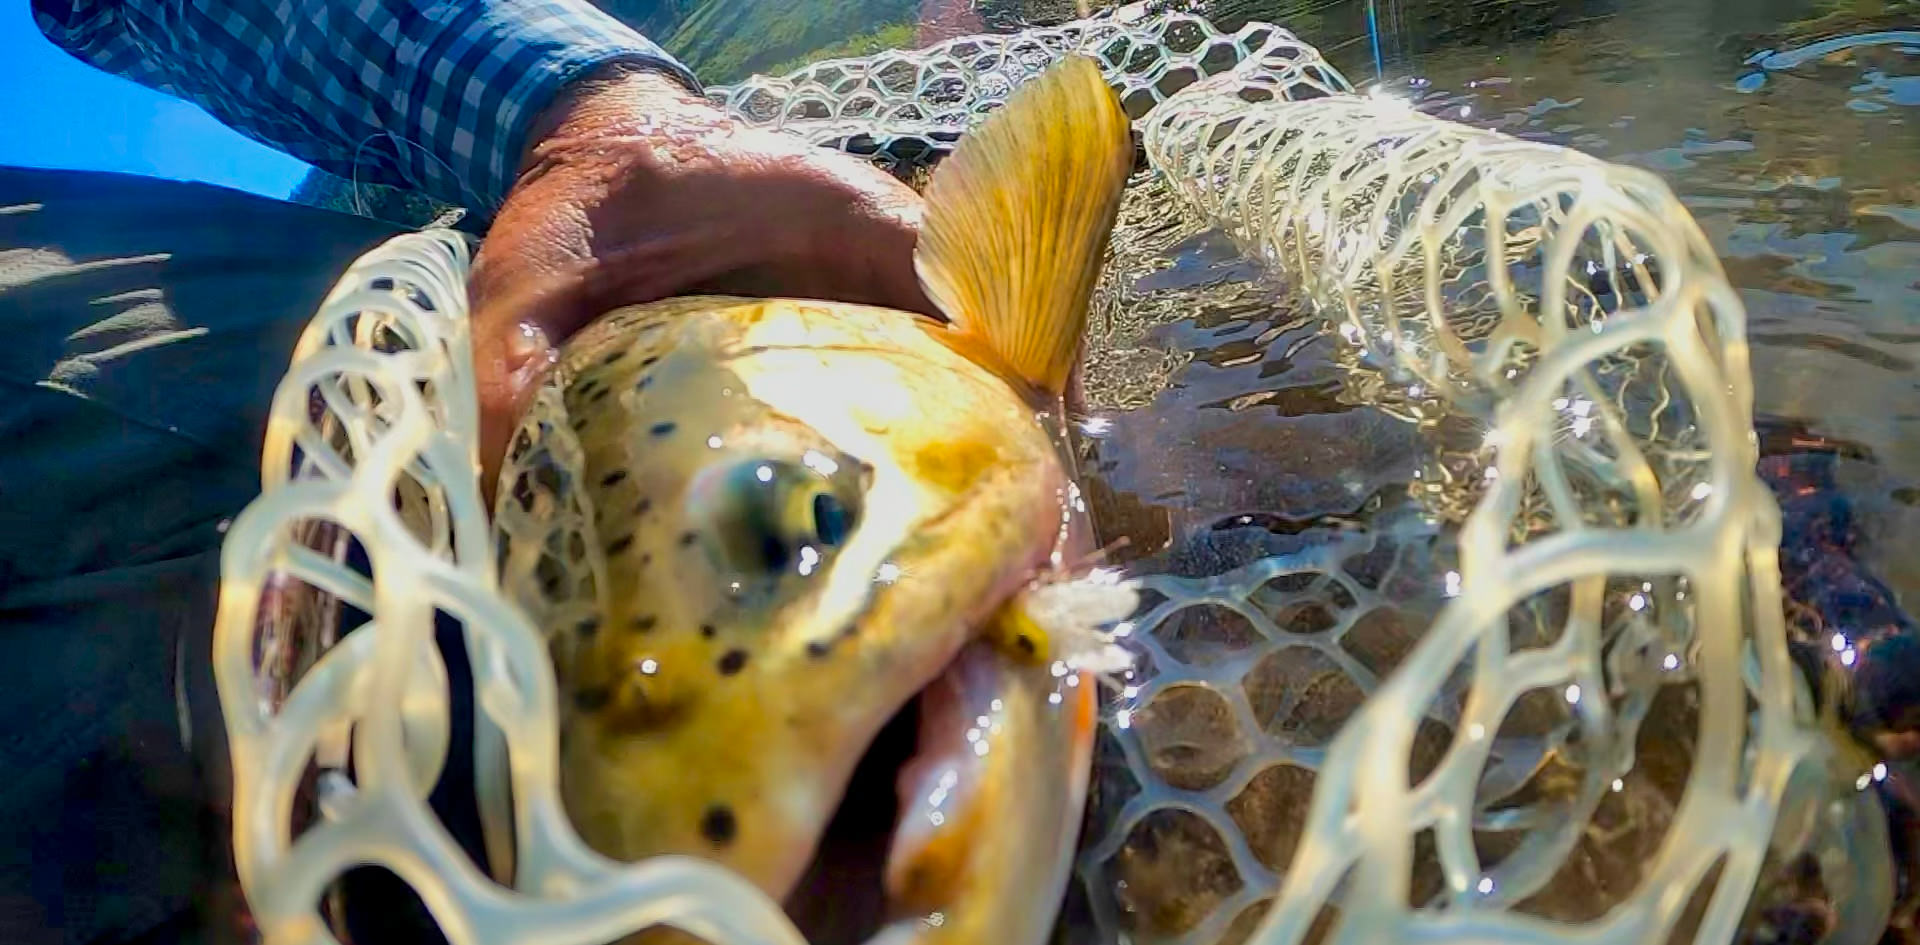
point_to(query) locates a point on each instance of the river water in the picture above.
(1227, 425)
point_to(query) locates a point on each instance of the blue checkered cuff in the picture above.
(430, 95)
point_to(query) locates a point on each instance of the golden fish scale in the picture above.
(681, 700)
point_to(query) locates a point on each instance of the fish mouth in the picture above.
(841, 897)
(878, 874)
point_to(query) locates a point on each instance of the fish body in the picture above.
(755, 531)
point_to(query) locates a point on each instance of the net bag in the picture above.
(1569, 305)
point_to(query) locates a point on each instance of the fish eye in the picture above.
(770, 517)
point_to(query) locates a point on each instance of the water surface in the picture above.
(1231, 425)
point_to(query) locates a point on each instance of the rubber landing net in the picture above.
(1570, 305)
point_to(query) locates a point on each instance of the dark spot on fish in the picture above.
(620, 544)
(818, 649)
(612, 357)
(707, 630)
(847, 632)
(646, 559)
(644, 382)
(588, 627)
(650, 361)
(613, 478)
(644, 623)
(732, 662)
(585, 387)
(592, 699)
(718, 825)
(641, 507)
(1025, 643)
(599, 395)
(663, 428)
(688, 538)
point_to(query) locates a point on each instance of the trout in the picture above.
(767, 539)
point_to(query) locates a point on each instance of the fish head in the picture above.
(794, 514)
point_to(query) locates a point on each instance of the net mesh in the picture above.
(897, 107)
(1615, 545)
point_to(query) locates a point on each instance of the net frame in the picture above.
(1368, 206)
(372, 439)
(380, 398)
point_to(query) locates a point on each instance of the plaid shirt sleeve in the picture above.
(432, 95)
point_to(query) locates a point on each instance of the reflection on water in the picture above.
(1791, 144)
(1229, 425)
(1215, 396)
(1797, 151)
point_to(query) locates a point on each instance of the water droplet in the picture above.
(819, 462)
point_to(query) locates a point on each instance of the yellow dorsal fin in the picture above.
(1017, 220)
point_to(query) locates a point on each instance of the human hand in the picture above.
(636, 190)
